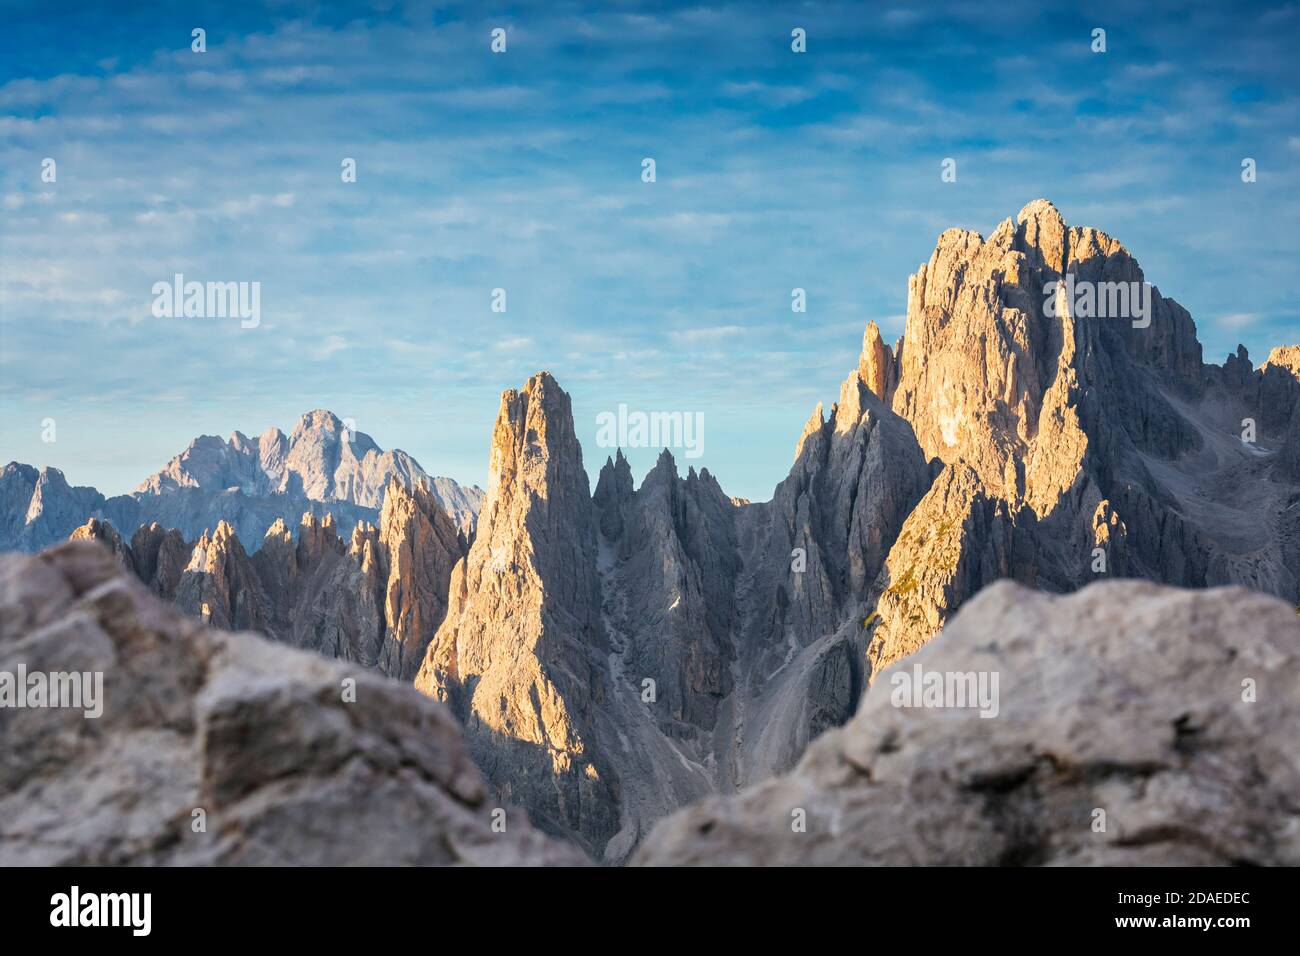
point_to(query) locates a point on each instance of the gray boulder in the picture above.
(1135, 724)
(222, 748)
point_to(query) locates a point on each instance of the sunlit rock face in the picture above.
(1077, 445)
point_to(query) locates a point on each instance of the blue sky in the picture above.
(523, 171)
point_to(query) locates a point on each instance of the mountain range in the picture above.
(616, 654)
(321, 468)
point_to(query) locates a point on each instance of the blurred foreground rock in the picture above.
(257, 736)
(1125, 697)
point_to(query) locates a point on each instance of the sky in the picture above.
(522, 171)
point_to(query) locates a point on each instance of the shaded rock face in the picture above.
(248, 483)
(324, 595)
(257, 741)
(376, 601)
(1271, 392)
(674, 562)
(159, 557)
(220, 586)
(811, 557)
(416, 551)
(1126, 697)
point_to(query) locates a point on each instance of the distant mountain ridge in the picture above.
(250, 484)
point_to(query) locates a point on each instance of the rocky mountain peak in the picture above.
(1041, 211)
(41, 503)
(417, 547)
(220, 586)
(878, 367)
(1042, 235)
(249, 482)
(520, 654)
(992, 377)
(614, 488)
(27, 472)
(321, 461)
(534, 447)
(159, 557)
(318, 419)
(616, 471)
(317, 537)
(665, 464)
(106, 534)
(1284, 356)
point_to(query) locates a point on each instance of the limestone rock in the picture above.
(40, 507)
(810, 560)
(220, 586)
(159, 557)
(878, 367)
(419, 548)
(1286, 357)
(520, 656)
(1060, 415)
(106, 534)
(1125, 697)
(254, 740)
(958, 539)
(1288, 456)
(17, 483)
(617, 656)
(376, 601)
